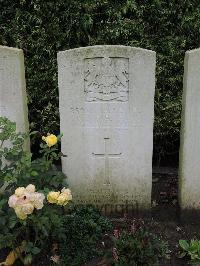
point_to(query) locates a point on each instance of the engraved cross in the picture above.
(107, 155)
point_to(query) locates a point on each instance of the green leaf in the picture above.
(34, 173)
(33, 133)
(184, 244)
(2, 202)
(29, 247)
(35, 250)
(12, 222)
(181, 255)
(28, 259)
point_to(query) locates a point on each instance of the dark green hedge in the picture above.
(43, 27)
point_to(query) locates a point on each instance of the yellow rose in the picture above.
(19, 191)
(30, 188)
(25, 200)
(53, 196)
(12, 201)
(38, 200)
(68, 193)
(62, 199)
(20, 214)
(50, 140)
(27, 208)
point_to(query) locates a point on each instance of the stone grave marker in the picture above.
(13, 103)
(106, 96)
(189, 163)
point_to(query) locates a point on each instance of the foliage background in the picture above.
(41, 28)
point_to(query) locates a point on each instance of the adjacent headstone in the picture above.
(13, 103)
(106, 96)
(189, 165)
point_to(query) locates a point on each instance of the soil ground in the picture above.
(164, 219)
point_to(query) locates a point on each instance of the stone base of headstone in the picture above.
(121, 210)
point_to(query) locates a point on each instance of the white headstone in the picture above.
(189, 163)
(106, 96)
(13, 103)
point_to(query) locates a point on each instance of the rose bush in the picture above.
(31, 222)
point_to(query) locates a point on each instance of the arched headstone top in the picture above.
(106, 51)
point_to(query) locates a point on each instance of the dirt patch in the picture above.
(164, 221)
(165, 218)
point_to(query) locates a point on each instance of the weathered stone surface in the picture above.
(106, 110)
(13, 104)
(189, 164)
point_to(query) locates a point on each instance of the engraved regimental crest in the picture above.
(106, 79)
